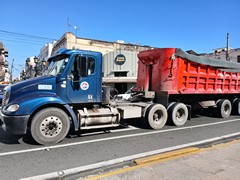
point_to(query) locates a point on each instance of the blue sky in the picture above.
(200, 25)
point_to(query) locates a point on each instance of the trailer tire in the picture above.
(156, 116)
(170, 104)
(236, 106)
(50, 126)
(224, 108)
(178, 114)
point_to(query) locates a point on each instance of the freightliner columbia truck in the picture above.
(170, 84)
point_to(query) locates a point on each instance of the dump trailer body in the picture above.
(175, 72)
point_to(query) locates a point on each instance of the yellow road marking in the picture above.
(220, 145)
(171, 154)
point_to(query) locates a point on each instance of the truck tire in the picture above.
(177, 114)
(224, 108)
(235, 106)
(50, 126)
(156, 116)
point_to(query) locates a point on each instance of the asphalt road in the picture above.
(20, 157)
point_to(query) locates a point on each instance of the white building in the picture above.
(46, 51)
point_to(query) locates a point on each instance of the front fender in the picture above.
(28, 105)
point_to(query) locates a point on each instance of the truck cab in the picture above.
(78, 76)
(44, 105)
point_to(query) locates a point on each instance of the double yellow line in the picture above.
(155, 159)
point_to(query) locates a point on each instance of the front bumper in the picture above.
(14, 124)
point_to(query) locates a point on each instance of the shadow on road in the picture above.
(138, 123)
(7, 138)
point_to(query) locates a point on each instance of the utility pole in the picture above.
(11, 71)
(227, 55)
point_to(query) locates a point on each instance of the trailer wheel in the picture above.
(236, 106)
(156, 116)
(50, 126)
(224, 108)
(178, 114)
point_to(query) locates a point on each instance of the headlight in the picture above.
(12, 108)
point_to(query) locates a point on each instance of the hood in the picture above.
(33, 87)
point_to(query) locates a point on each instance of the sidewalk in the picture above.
(219, 162)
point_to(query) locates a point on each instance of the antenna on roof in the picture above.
(76, 29)
(68, 25)
(74, 26)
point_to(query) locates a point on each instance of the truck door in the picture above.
(81, 86)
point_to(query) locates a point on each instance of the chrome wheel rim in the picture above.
(51, 126)
(157, 117)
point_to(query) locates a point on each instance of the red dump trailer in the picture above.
(182, 82)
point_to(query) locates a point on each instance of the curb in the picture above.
(139, 160)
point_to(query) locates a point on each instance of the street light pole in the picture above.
(36, 66)
(29, 68)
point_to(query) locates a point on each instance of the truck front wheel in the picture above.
(156, 116)
(50, 126)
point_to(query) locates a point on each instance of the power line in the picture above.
(26, 35)
(15, 37)
(10, 36)
(23, 42)
(24, 38)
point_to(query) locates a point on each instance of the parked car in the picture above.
(126, 96)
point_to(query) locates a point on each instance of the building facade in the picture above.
(119, 59)
(221, 53)
(5, 76)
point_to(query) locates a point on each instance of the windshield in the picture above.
(58, 65)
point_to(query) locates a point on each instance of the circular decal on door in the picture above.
(84, 85)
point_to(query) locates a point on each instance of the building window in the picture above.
(238, 59)
(120, 74)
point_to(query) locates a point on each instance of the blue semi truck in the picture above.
(71, 95)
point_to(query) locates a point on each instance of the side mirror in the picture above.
(74, 77)
(70, 76)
